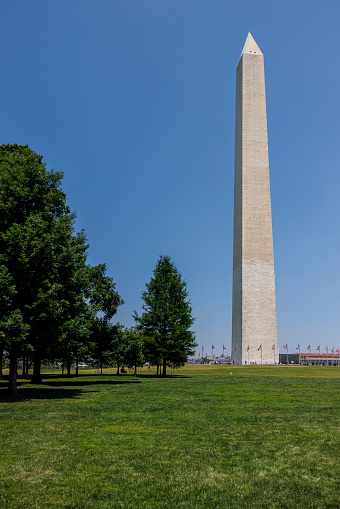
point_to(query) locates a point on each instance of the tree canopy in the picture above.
(167, 315)
(50, 297)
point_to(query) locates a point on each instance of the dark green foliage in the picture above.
(33, 220)
(167, 315)
(25, 180)
(205, 360)
(7, 290)
(103, 301)
(105, 337)
(49, 297)
(150, 351)
(120, 346)
(101, 292)
(134, 353)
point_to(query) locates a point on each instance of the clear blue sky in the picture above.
(134, 100)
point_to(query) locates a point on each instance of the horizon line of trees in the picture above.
(53, 304)
(124, 347)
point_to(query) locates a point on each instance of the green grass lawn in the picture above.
(259, 437)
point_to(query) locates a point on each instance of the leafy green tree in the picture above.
(15, 332)
(151, 353)
(134, 355)
(104, 337)
(53, 295)
(103, 301)
(167, 315)
(101, 293)
(59, 303)
(205, 360)
(91, 301)
(7, 291)
(73, 342)
(31, 205)
(119, 346)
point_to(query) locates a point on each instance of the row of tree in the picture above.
(53, 304)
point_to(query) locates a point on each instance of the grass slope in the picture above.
(205, 438)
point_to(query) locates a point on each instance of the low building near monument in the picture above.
(225, 359)
(311, 359)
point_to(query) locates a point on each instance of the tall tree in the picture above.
(60, 296)
(31, 203)
(7, 290)
(103, 301)
(134, 355)
(120, 345)
(167, 314)
(51, 291)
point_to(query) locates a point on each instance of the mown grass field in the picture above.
(203, 438)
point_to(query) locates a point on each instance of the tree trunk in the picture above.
(12, 384)
(23, 366)
(117, 369)
(27, 367)
(68, 368)
(101, 368)
(135, 371)
(77, 367)
(164, 368)
(36, 378)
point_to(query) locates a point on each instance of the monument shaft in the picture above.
(254, 321)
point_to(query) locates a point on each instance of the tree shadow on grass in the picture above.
(80, 383)
(53, 389)
(111, 376)
(27, 393)
(53, 376)
(157, 377)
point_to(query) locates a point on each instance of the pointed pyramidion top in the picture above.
(250, 46)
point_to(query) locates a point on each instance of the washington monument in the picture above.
(254, 322)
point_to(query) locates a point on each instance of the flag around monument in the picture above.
(254, 321)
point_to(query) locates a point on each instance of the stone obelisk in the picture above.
(254, 322)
